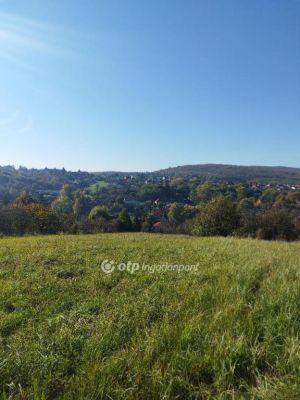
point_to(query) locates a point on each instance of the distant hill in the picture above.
(235, 173)
(48, 182)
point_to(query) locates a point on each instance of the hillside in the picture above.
(70, 331)
(235, 173)
(49, 181)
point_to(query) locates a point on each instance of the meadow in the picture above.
(229, 330)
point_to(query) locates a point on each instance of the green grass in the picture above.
(70, 331)
(97, 187)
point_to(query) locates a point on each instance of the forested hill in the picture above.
(16, 180)
(235, 173)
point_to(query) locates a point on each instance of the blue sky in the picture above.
(141, 85)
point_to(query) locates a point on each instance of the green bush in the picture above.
(276, 225)
(219, 217)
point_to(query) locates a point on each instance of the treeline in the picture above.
(26, 216)
(219, 216)
(234, 173)
(222, 217)
(14, 181)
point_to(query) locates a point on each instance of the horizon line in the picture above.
(151, 171)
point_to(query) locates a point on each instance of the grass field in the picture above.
(227, 331)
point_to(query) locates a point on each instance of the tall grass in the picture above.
(70, 331)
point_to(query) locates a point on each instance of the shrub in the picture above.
(219, 217)
(124, 221)
(276, 225)
(45, 219)
(99, 212)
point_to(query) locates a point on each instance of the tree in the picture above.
(45, 219)
(242, 191)
(16, 221)
(64, 202)
(98, 212)
(276, 225)
(136, 224)
(124, 221)
(24, 200)
(78, 203)
(245, 205)
(219, 217)
(66, 190)
(293, 197)
(147, 225)
(176, 213)
(207, 191)
(268, 196)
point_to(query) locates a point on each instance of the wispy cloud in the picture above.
(16, 39)
(20, 37)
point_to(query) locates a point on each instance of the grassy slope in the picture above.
(70, 331)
